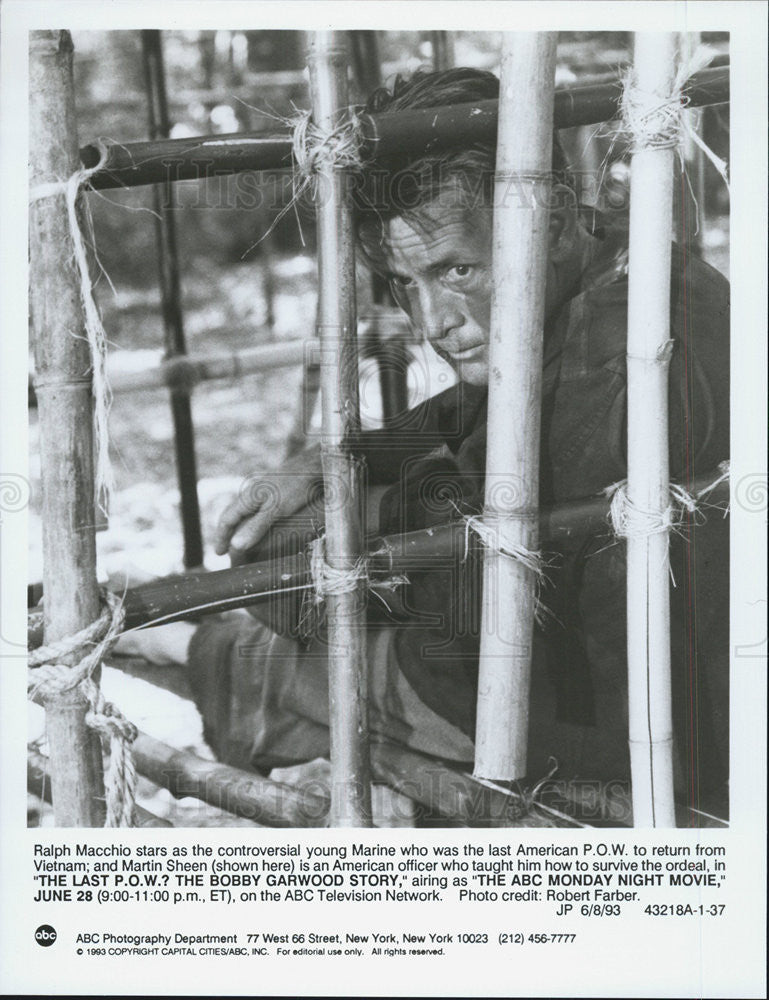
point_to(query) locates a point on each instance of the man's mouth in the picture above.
(469, 353)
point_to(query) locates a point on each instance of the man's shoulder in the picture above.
(699, 296)
(597, 316)
(452, 412)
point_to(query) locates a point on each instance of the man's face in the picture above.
(439, 267)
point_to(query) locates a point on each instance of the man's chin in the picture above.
(472, 372)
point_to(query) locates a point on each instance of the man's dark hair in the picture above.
(401, 184)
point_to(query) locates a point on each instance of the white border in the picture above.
(645, 960)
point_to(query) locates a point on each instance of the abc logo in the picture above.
(45, 935)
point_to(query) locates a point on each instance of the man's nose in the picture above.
(439, 315)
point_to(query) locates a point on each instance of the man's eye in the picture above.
(399, 281)
(459, 271)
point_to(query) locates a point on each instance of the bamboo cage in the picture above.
(71, 596)
(195, 594)
(38, 783)
(412, 132)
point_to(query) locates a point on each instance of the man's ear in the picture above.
(563, 223)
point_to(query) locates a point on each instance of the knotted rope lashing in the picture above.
(317, 149)
(314, 150)
(49, 677)
(94, 330)
(628, 520)
(655, 121)
(495, 534)
(328, 581)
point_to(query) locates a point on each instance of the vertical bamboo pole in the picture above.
(351, 791)
(63, 387)
(521, 215)
(648, 605)
(170, 291)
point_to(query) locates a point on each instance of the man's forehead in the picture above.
(432, 229)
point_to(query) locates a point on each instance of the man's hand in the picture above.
(264, 499)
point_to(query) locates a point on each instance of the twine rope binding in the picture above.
(495, 534)
(316, 149)
(655, 121)
(94, 331)
(628, 520)
(328, 581)
(120, 779)
(49, 677)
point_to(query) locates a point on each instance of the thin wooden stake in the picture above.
(367, 71)
(170, 290)
(443, 49)
(346, 612)
(63, 387)
(648, 599)
(521, 214)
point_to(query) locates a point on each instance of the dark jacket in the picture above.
(436, 461)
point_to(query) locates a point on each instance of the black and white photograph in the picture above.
(379, 480)
(240, 212)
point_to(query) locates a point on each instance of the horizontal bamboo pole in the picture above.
(242, 793)
(405, 132)
(425, 780)
(185, 372)
(429, 782)
(194, 594)
(450, 793)
(39, 784)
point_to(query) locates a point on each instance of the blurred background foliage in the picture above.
(233, 81)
